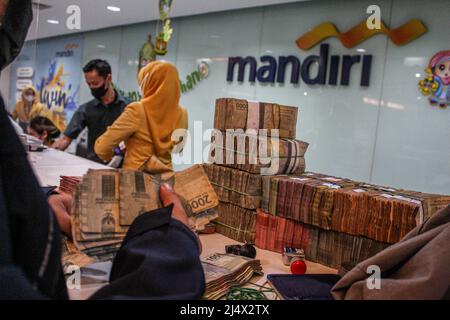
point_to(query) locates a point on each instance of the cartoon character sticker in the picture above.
(436, 85)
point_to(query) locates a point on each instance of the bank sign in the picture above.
(270, 69)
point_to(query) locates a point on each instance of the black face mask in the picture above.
(99, 92)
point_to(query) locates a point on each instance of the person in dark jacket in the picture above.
(159, 258)
(30, 247)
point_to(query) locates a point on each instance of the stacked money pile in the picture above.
(332, 203)
(250, 115)
(237, 187)
(250, 139)
(223, 271)
(72, 256)
(236, 222)
(239, 193)
(258, 154)
(307, 198)
(106, 203)
(326, 247)
(68, 184)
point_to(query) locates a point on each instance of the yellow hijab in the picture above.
(160, 87)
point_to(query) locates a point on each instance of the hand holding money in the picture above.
(61, 205)
(106, 202)
(168, 197)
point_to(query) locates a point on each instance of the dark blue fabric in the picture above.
(31, 242)
(304, 286)
(13, 31)
(159, 259)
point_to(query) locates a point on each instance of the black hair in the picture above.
(101, 66)
(42, 124)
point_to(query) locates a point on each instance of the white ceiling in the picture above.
(94, 14)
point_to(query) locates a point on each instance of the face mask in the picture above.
(29, 98)
(99, 92)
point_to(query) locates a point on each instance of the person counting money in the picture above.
(147, 126)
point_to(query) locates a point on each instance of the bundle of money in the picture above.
(106, 203)
(223, 271)
(326, 247)
(258, 154)
(68, 184)
(307, 198)
(234, 186)
(430, 203)
(243, 114)
(342, 205)
(236, 223)
(72, 256)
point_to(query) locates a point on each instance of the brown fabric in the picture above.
(417, 267)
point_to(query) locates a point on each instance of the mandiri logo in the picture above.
(359, 33)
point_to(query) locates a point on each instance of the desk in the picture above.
(50, 164)
(212, 243)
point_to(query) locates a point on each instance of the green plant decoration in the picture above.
(150, 51)
(165, 7)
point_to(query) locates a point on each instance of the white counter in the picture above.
(212, 243)
(50, 164)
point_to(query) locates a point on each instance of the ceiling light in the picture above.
(361, 50)
(112, 8)
(101, 46)
(53, 21)
(305, 93)
(418, 75)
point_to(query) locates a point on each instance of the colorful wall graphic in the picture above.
(57, 76)
(436, 84)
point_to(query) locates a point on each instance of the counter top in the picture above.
(50, 164)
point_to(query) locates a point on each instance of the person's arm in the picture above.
(15, 114)
(124, 127)
(168, 197)
(76, 125)
(61, 205)
(159, 257)
(62, 143)
(28, 229)
(181, 133)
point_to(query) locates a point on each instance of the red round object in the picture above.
(298, 267)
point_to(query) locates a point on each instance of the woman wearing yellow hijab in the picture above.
(146, 126)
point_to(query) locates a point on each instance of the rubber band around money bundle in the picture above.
(232, 190)
(233, 228)
(246, 154)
